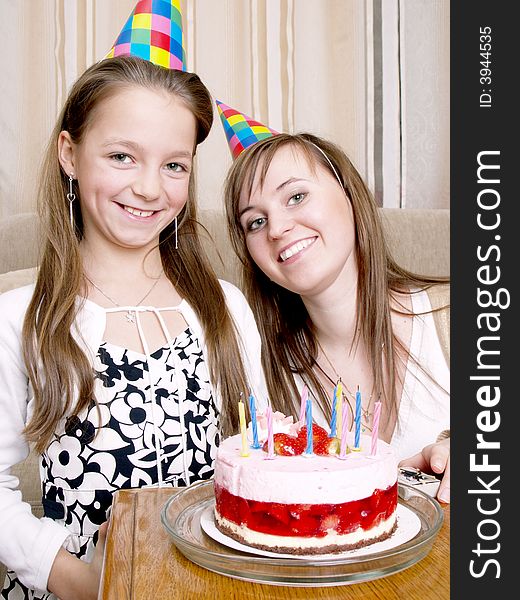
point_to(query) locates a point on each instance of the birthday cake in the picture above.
(297, 502)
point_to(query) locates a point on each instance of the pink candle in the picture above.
(344, 430)
(375, 427)
(270, 438)
(303, 405)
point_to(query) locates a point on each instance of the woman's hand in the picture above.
(72, 579)
(434, 458)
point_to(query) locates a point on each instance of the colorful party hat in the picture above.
(154, 32)
(241, 131)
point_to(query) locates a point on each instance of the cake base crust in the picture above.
(331, 549)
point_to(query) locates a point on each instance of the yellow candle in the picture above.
(339, 411)
(242, 417)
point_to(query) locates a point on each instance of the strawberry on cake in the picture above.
(300, 503)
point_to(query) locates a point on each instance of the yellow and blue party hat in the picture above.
(154, 32)
(241, 131)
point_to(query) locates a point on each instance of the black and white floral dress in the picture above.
(156, 424)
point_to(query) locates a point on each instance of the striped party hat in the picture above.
(154, 32)
(241, 131)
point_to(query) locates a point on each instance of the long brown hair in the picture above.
(59, 371)
(284, 323)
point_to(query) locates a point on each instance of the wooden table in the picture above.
(141, 562)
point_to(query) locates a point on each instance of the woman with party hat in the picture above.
(336, 311)
(125, 362)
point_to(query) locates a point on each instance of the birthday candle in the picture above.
(375, 426)
(339, 397)
(270, 435)
(242, 417)
(344, 430)
(252, 410)
(358, 418)
(333, 418)
(308, 412)
(303, 405)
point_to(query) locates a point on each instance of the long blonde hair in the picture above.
(59, 371)
(284, 324)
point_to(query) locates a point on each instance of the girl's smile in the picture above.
(139, 213)
(294, 249)
(133, 168)
(298, 225)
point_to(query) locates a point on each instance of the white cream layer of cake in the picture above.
(305, 479)
(257, 538)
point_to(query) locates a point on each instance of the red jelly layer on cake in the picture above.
(307, 520)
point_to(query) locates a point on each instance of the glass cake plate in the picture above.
(181, 516)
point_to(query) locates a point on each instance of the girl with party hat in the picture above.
(122, 366)
(334, 308)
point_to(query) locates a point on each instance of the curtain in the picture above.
(371, 75)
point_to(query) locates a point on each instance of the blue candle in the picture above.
(308, 414)
(358, 418)
(334, 414)
(252, 409)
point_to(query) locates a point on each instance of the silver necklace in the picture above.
(130, 314)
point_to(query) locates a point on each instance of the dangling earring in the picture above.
(71, 196)
(176, 239)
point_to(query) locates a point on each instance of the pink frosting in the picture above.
(305, 479)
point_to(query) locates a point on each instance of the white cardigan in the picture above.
(29, 545)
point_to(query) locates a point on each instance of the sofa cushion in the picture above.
(419, 238)
(16, 279)
(19, 242)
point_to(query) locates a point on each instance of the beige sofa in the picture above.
(419, 240)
